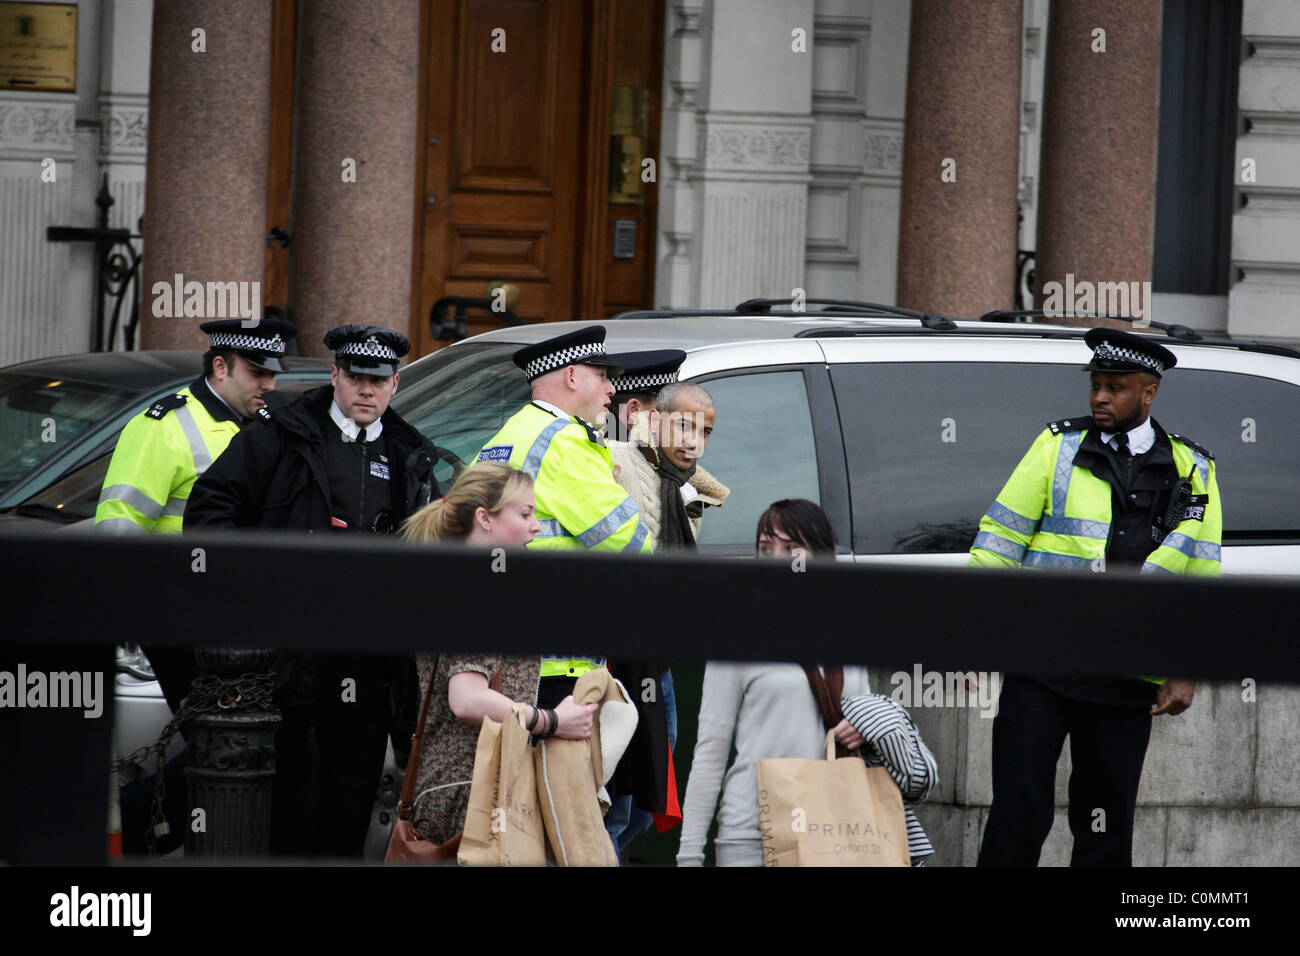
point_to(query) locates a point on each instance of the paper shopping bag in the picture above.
(830, 813)
(522, 834)
(503, 825)
(479, 845)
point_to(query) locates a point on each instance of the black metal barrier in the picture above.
(68, 597)
(339, 593)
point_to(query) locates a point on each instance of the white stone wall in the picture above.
(1264, 301)
(46, 294)
(781, 170)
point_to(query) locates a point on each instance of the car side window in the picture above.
(930, 445)
(762, 449)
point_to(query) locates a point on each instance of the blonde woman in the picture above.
(489, 506)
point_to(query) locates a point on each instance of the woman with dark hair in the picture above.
(772, 711)
(794, 523)
(768, 708)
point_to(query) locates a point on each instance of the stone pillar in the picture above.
(1264, 300)
(1097, 197)
(357, 99)
(209, 116)
(957, 231)
(753, 141)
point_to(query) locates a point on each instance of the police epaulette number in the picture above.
(1193, 445)
(1070, 424)
(264, 413)
(164, 405)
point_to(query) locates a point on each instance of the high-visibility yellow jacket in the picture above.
(159, 455)
(579, 504)
(1055, 514)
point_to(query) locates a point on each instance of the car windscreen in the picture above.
(462, 398)
(40, 416)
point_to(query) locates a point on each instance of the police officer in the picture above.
(636, 387)
(338, 459)
(556, 439)
(164, 449)
(1094, 493)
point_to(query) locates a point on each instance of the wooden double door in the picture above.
(524, 108)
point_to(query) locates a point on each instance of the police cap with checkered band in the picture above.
(261, 345)
(581, 347)
(367, 349)
(646, 371)
(1114, 350)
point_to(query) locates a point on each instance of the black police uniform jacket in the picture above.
(273, 474)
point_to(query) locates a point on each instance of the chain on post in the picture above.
(208, 695)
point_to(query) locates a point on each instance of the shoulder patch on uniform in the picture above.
(498, 453)
(1070, 424)
(264, 414)
(592, 435)
(1193, 445)
(164, 405)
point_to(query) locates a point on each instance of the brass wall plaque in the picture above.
(38, 46)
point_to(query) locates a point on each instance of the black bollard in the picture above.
(231, 766)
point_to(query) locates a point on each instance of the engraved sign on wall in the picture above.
(38, 46)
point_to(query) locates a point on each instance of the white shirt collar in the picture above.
(1140, 438)
(349, 428)
(555, 410)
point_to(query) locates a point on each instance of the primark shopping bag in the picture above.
(830, 812)
(503, 823)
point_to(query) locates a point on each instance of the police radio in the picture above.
(1178, 500)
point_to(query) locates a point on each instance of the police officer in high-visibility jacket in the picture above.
(1094, 493)
(556, 438)
(163, 450)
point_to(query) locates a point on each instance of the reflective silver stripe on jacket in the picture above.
(175, 508)
(1080, 527)
(1064, 562)
(198, 448)
(1064, 471)
(638, 536)
(1202, 467)
(119, 526)
(1204, 550)
(533, 460)
(609, 524)
(134, 497)
(551, 528)
(1012, 519)
(1000, 545)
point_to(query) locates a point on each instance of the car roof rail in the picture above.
(764, 307)
(1177, 332)
(1181, 332)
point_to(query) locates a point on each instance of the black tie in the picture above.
(361, 435)
(1121, 445)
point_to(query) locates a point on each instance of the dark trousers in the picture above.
(1107, 745)
(322, 800)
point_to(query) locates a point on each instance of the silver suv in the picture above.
(903, 426)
